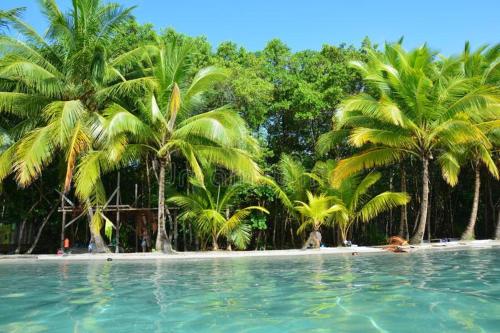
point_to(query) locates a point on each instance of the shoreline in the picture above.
(458, 245)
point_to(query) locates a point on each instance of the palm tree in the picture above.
(51, 84)
(479, 155)
(353, 200)
(209, 207)
(415, 107)
(481, 67)
(292, 185)
(316, 211)
(169, 121)
(294, 178)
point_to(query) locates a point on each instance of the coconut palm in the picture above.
(479, 156)
(168, 122)
(50, 84)
(482, 68)
(211, 209)
(316, 211)
(416, 107)
(294, 178)
(293, 185)
(352, 199)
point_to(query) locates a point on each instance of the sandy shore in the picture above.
(242, 254)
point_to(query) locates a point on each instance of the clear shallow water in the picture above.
(456, 291)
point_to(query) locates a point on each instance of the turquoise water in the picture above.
(455, 291)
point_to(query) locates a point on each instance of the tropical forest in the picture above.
(118, 136)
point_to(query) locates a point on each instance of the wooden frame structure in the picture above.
(68, 206)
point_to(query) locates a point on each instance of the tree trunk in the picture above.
(117, 247)
(314, 240)
(343, 235)
(20, 236)
(419, 234)
(162, 240)
(257, 240)
(469, 231)
(388, 225)
(39, 233)
(497, 233)
(429, 210)
(215, 246)
(403, 221)
(292, 235)
(176, 233)
(274, 230)
(21, 229)
(100, 245)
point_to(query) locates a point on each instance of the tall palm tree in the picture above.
(210, 207)
(415, 106)
(482, 68)
(169, 121)
(51, 83)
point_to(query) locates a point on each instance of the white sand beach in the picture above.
(359, 250)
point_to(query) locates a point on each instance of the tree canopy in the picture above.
(324, 139)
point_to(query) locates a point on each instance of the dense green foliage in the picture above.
(246, 149)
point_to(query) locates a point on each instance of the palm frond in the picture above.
(362, 188)
(450, 167)
(381, 203)
(33, 153)
(365, 160)
(205, 79)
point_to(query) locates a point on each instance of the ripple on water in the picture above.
(457, 291)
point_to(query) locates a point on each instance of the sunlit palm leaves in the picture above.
(352, 199)
(317, 210)
(210, 208)
(6, 16)
(417, 106)
(50, 83)
(166, 120)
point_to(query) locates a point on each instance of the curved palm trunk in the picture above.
(100, 245)
(162, 240)
(469, 231)
(419, 234)
(21, 229)
(42, 226)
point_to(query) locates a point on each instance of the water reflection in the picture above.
(448, 291)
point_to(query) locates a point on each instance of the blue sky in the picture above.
(308, 24)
